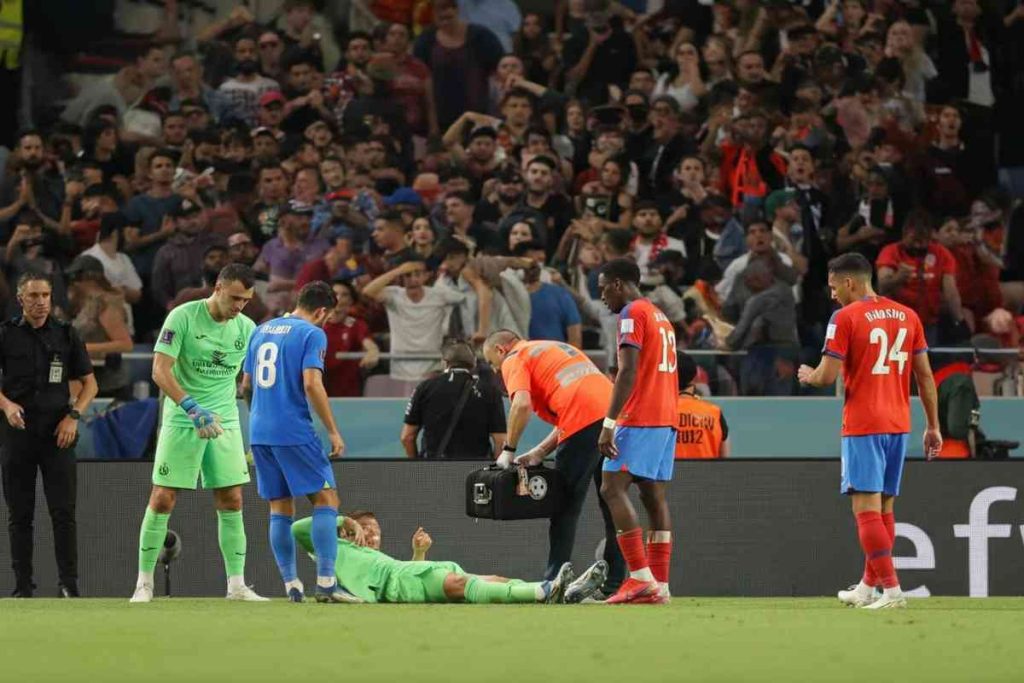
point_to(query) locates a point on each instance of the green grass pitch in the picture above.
(718, 639)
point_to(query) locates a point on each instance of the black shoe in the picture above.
(67, 590)
(24, 590)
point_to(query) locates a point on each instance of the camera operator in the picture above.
(460, 415)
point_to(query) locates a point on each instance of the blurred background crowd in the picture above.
(456, 167)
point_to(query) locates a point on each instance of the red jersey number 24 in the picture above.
(888, 354)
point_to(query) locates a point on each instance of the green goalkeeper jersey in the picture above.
(363, 571)
(208, 357)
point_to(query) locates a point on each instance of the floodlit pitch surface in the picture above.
(936, 639)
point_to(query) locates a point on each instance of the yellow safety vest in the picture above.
(11, 33)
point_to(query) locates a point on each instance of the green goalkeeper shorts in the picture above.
(418, 582)
(181, 457)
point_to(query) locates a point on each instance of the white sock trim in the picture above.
(325, 581)
(642, 574)
(660, 537)
(145, 578)
(236, 582)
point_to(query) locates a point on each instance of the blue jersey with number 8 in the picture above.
(278, 353)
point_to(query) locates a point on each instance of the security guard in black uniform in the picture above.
(40, 357)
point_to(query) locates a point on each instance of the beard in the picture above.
(510, 197)
(248, 67)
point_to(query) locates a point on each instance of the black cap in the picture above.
(298, 208)
(84, 264)
(186, 207)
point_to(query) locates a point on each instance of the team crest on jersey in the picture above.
(929, 260)
(830, 331)
(239, 343)
(323, 353)
(626, 326)
(167, 336)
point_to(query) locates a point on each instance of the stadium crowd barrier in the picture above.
(742, 528)
(758, 427)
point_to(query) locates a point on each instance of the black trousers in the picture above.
(579, 461)
(25, 453)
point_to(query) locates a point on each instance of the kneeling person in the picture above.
(286, 360)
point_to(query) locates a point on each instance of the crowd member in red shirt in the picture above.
(412, 86)
(345, 334)
(977, 271)
(920, 273)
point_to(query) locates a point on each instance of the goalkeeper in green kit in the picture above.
(197, 358)
(376, 577)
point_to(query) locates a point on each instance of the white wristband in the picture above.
(609, 423)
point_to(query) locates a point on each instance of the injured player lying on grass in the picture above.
(376, 577)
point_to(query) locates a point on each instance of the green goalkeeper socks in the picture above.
(151, 539)
(482, 592)
(231, 535)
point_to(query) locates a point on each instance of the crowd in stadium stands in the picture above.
(460, 167)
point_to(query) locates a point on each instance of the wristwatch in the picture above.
(74, 414)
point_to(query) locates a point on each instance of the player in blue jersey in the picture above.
(284, 371)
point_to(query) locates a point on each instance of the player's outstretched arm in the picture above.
(302, 532)
(930, 401)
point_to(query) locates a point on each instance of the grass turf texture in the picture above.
(937, 639)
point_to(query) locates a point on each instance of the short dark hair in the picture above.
(34, 276)
(458, 353)
(164, 153)
(524, 248)
(464, 197)
(394, 218)
(543, 159)
(618, 239)
(358, 35)
(316, 295)
(517, 93)
(851, 263)
(451, 246)
(237, 272)
(622, 269)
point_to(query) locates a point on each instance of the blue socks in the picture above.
(283, 545)
(325, 543)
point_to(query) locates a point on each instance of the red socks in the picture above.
(659, 555)
(632, 545)
(877, 546)
(889, 520)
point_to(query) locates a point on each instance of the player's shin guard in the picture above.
(231, 536)
(282, 544)
(877, 546)
(631, 543)
(151, 539)
(659, 555)
(324, 533)
(482, 592)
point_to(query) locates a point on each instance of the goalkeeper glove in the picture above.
(203, 420)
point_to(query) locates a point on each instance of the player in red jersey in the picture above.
(638, 438)
(876, 342)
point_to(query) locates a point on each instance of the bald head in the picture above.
(497, 346)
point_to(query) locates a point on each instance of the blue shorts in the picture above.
(873, 463)
(291, 471)
(644, 452)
